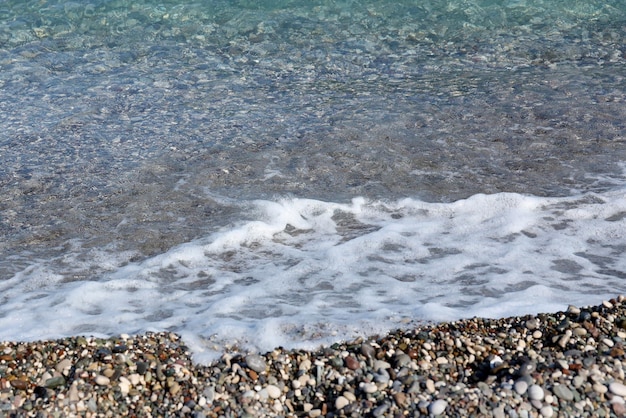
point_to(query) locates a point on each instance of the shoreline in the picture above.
(554, 364)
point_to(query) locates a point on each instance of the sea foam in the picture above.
(302, 272)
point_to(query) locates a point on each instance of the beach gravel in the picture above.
(535, 366)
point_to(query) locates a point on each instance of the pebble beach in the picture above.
(561, 364)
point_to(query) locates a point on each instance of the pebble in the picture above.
(563, 392)
(546, 411)
(273, 392)
(520, 386)
(341, 402)
(256, 363)
(618, 389)
(369, 387)
(430, 386)
(351, 363)
(599, 388)
(535, 393)
(102, 380)
(437, 407)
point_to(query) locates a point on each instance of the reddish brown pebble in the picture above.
(19, 384)
(351, 363)
(6, 357)
(253, 375)
(619, 409)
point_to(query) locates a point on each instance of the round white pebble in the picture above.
(437, 407)
(535, 393)
(546, 411)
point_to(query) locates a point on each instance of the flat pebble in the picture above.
(618, 389)
(562, 392)
(599, 388)
(256, 363)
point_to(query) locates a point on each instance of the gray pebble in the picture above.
(562, 392)
(535, 393)
(256, 363)
(520, 387)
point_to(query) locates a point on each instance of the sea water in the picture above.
(252, 174)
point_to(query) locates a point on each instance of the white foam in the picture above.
(304, 272)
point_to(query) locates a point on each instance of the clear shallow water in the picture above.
(273, 173)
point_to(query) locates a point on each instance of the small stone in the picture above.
(400, 399)
(368, 351)
(351, 363)
(532, 324)
(578, 381)
(209, 394)
(599, 388)
(563, 392)
(380, 410)
(485, 389)
(341, 402)
(19, 384)
(573, 310)
(174, 388)
(369, 387)
(619, 408)
(618, 389)
(535, 393)
(63, 365)
(256, 363)
(350, 396)
(430, 386)
(54, 382)
(498, 412)
(437, 407)
(124, 385)
(273, 391)
(381, 365)
(142, 367)
(102, 380)
(520, 387)
(402, 360)
(546, 411)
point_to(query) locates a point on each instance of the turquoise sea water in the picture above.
(130, 129)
